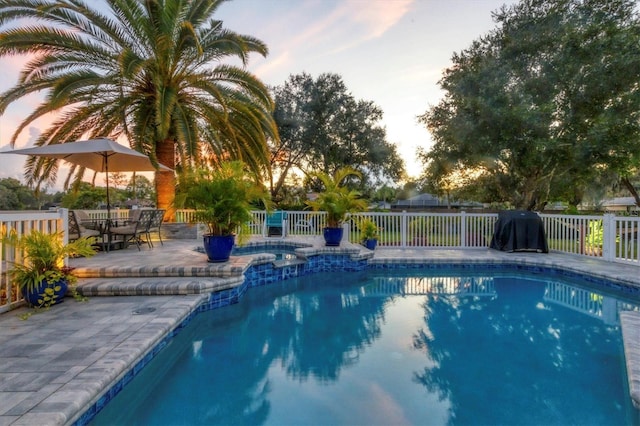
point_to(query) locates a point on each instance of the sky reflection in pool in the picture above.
(404, 347)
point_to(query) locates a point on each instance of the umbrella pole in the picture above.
(106, 169)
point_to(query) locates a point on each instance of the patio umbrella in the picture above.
(101, 155)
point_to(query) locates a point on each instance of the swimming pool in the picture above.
(388, 347)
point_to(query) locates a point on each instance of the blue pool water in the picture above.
(400, 347)
(281, 253)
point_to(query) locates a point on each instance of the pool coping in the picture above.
(630, 325)
(70, 400)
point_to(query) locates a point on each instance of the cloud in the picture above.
(273, 64)
(329, 27)
(353, 23)
(377, 16)
(34, 134)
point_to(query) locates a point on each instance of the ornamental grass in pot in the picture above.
(223, 199)
(42, 277)
(369, 233)
(337, 200)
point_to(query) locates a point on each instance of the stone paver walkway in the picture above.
(57, 363)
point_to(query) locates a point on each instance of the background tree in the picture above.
(8, 199)
(322, 127)
(384, 193)
(117, 179)
(150, 71)
(545, 102)
(16, 196)
(139, 188)
(410, 189)
(85, 196)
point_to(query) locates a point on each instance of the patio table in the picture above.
(108, 243)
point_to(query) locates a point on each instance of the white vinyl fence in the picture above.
(609, 237)
(21, 223)
(115, 214)
(443, 230)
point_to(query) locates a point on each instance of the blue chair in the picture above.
(275, 224)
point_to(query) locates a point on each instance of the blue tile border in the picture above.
(90, 413)
(261, 274)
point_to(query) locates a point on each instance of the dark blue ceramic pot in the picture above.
(371, 243)
(333, 236)
(218, 248)
(38, 297)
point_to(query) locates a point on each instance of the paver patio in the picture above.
(56, 364)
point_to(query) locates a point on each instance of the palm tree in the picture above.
(337, 199)
(148, 70)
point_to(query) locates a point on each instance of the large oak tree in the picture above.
(543, 104)
(323, 127)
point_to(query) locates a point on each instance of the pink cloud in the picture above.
(377, 16)
(342, 26)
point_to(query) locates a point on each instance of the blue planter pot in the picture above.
(38, 298)
(218, 248)
(333, 236)
(371, 243)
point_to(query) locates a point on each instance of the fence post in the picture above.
(346, 231)
(463, 229)
(403, 229)
(609, 236)
(63, 215)
(63, 219)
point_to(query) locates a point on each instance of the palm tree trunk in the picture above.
(166, 181)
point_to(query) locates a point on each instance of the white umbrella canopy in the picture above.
(101, 155)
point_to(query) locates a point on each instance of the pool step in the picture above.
(236, 266)
(155, 286)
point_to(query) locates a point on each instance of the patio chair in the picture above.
(76, 230)
(275, 224)
(134, 231)
(85, 220)
(154, 226)
(134, 216)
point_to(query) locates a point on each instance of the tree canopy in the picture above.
(322, 127)
(541, 106)
(87, 196)
(16, 196)
(151, 71)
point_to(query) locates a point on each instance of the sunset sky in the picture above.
(391, 52)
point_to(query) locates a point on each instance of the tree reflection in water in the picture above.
(307, 344)
(507, 360)
(278, 323)
(353, 349)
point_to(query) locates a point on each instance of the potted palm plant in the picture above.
(42, 277)
(368, 233)
(337, 201)
(222, 199)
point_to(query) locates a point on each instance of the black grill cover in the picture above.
(519, 230)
